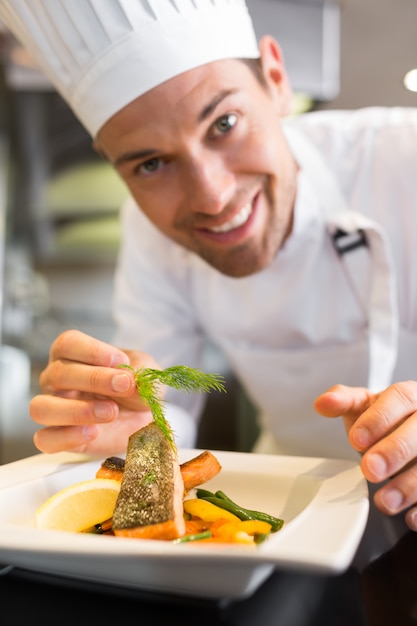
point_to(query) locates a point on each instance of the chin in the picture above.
(239, 265)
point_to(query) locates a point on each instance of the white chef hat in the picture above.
(102, 54)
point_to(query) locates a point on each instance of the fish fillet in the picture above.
(150, 502)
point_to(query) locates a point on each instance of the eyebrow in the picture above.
(133, 156)
(208, 110)
(204, 114)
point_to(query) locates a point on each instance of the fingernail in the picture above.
(89, 432)
(117, 359)
(412, 519)
(103, 411)
(377, 464)
(393, 499)
(362, 437)
(121, 382)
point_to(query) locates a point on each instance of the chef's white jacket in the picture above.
(315, 316)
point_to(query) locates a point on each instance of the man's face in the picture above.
(205, 159)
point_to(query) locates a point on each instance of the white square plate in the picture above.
(324, 504)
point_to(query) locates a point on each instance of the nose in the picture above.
(211, 184)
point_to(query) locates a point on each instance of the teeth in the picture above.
(237, 221)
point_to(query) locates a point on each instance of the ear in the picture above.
(275, 74)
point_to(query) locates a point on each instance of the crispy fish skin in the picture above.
(112, 467)
(150, 502)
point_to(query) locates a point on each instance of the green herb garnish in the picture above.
(182, 377)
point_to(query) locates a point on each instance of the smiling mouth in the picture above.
(238, 220)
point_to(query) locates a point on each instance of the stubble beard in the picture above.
(253, 255)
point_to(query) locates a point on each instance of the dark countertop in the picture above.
(285, 598)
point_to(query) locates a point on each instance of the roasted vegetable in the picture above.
(221, 500)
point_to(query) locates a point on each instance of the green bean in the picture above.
(220, 499)
(204, 493)
(275, 522)
(233, 508)
(196, 537)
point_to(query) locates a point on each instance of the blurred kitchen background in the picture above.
(59, 202)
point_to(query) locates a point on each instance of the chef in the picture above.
(288, 242)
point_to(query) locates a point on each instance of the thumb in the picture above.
(342, 400)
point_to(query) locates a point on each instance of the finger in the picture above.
(342, 400)
(77, 346)
(391, 407)
(91, 439)
(348, 402)
(69, 438)
(52, 410)
(392, 453)
(411, 519)
(398, 494)
(61, 375)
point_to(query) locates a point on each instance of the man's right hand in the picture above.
(88, 404)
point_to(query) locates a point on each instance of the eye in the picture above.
(149, 167)
(224, 124)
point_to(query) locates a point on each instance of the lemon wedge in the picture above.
(80, 506)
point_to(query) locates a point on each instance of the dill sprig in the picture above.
(181, 377)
